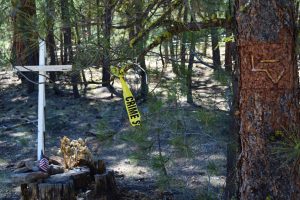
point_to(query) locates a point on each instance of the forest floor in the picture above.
(186, 158)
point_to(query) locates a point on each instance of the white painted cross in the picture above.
(42, 69)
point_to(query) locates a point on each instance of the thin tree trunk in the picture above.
(106, 51)
(228, 53)
(183, 45)
(233, 146)
(67, 38)
(176, 52)
(268, 97)
(229, 47)
(140, 47)
(215, 48)
(166, 52)
(98, 22)
(205, 45)
(190, 69)
(172, 56)
(50, 41)
(61, 38)
(89, 19)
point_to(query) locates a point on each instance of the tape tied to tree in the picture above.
(129, 101)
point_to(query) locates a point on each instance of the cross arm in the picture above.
(47, 68)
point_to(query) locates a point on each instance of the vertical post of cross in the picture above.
(42, 69)
(41, 101)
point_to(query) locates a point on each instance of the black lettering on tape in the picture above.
(129, 98)
(129, 103)
(136, 122)
(134, 116)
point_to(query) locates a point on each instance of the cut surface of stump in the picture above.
(80, 176)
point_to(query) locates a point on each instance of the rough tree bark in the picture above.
(25, 39)
(268, 96)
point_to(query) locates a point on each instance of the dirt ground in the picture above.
(200, 176)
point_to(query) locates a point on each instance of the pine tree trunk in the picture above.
(140, 46)
(61, 47)
(106, 51)
(50, 41)
(166, 52)
(172, 56)
(183, 45)
(98, 22)
(268, 96)
(89, 20)
(205, 44)
(50, 13)
(25, 40)
(233, 145)
(67, 38)
(215, 48)
(228, 53)
(190, 68)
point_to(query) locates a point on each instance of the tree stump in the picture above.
(48, 191)
(100, 184)
(57, 183)
(80, 177)
(99, 167)
(105, 185)
(58, 186)
(30, 177)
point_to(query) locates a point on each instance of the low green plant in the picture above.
(104, 132)
(205, 195)
(287, 148)
(212, 169)
(221, 76)
(181, 144)
(206, 117)
(23, 141)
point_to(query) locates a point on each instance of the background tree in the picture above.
(25, 38)
(107, 26)
(67, 54)
(50, 38)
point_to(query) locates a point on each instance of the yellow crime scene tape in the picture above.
(130, 104)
